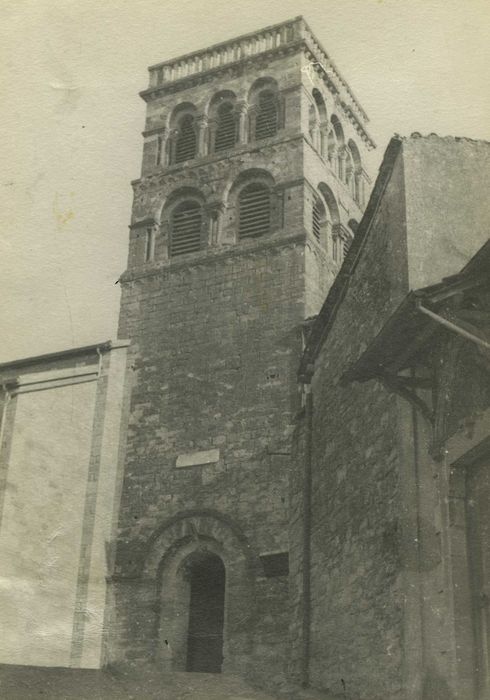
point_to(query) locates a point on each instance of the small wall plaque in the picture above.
(194, 459)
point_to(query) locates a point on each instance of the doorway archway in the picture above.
(183, 550)
(205, 573)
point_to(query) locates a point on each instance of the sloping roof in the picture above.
(407, 331)
(328, 312)
(326, 317)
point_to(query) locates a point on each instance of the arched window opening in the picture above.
(349, 171)
(318, 222)
(206, 574)
(356, 184)
(186, 144)
(320, 103)
(186, 225)
(226, 130)
(267, 119)
(254, 211)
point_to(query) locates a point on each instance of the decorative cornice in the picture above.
(352, 117)
(227, 155)
(144, 223)
(208, 256)
(323, 65)
(154, 130)
(291, 34)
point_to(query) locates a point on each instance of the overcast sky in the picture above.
(71, 125)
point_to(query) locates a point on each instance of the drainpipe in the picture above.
(453, 327)
(306, 629)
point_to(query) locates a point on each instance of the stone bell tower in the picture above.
(252, 184)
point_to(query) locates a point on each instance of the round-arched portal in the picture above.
(202, 571)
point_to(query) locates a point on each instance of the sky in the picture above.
(71, 122)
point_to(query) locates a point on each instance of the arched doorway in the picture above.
(205, 573)
(174, 564)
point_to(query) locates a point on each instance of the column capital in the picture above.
(242, 107)
(202, 120)
(215, 207)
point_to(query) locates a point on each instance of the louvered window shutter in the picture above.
(255, 211)
(317, 219)
(185, 148)
(267, 120)
(185, 236)
(345, 246)
(226, 131)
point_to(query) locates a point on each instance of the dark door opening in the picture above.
(206, 614)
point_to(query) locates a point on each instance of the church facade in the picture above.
(283, 473)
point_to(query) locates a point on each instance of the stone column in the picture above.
(170, 146)
(252, 114)
(242, 113)
(162, 156)
(315, 135)
(341, 163)
(211, 132)
(215, 211)
(202, 130)
(358, 188)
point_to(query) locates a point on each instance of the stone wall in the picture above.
(445, 175)
(59, 485)
(356, 609)
(217, 348)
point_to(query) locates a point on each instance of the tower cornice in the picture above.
(199, 67)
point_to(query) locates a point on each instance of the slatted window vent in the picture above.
(255, 211)
(346, 243)
(317, 219)
(276, 564)
(267, 120)
(185, 148)
(186, 229)
(226, 131)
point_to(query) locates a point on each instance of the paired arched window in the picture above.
(226, 127)
(185, 228)
(254, 210)
(267, 115)
(186, 141)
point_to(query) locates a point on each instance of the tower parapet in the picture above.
(275, 40)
